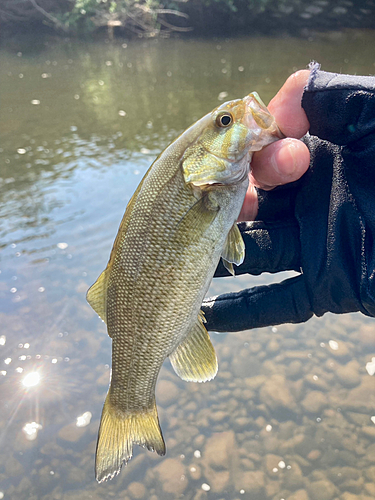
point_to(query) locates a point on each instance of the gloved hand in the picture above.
(322, 225)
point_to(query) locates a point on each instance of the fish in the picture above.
(178, 224)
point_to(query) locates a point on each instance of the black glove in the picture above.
(322, 226)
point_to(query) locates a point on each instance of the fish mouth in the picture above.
(258, 112)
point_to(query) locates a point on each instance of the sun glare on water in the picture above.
(30, 429)
(31, 379)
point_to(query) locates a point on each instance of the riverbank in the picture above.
(95, 18)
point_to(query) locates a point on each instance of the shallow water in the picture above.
(291, 414)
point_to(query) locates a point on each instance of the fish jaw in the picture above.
(222, 154)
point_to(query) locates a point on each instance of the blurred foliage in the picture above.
(145, 17)
(162, 17)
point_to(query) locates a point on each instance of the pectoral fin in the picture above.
(198, 218)
(96, 296)
(195, 360)
(234, 249)
(228, 266)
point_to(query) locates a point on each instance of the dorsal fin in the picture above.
(195, 360)
(97, 296)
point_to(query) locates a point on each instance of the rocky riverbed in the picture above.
(290, 415)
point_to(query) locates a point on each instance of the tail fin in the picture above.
(117, 434)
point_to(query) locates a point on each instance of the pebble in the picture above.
(244, 365)
(275, 393)
(219, 449)
(136, 490)
(299, 495)
(218, 416)
(273, 346)
(369, 431)
(199, 440)
(195, 471)
(370, 453)
(219, 459)
(370, 473)
(370, 489)
(314, 455)
(348, 374)
(244, 423)
(171, 473)
(294, 478)
(166, 392)
(357, 418)
(322, 490)
(294, 370)
(339, 349)
(271, 462)
(352, 496)
(252, 481)
(316, 382)
(200, 495)
(71, 433)
(366, 337)
(361, 399)
(314, 402)
(13, 467)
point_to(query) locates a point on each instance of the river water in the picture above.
(291, 414)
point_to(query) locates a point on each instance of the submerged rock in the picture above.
(71, 433)
(275, 393)
(299, 495)
(220, 460)
(136, 490)
(166, 392)
(349, 374)
(322, 490)
(314, 402)
(253, 482)
(172, 475)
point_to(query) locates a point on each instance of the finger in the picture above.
(276, 304)
(286, 106)
(249, 208)
(279, 163)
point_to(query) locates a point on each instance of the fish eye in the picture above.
(224, 119)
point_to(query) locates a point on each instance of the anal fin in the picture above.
(234, 249)
(194, 360)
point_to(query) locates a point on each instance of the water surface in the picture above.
(289, 414)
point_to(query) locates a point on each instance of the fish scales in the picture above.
(178, 223)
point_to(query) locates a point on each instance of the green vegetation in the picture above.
(142, 17)
(162, 17)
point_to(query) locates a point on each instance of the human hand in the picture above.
(285, 160)
(321, 225)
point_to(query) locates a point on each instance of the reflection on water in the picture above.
(291, 413)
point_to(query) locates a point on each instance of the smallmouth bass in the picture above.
(179, 222)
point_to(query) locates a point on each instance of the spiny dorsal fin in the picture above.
(97, 296)
(195, 360)
(234, 249)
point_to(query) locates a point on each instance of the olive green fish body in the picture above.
(178, 224)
